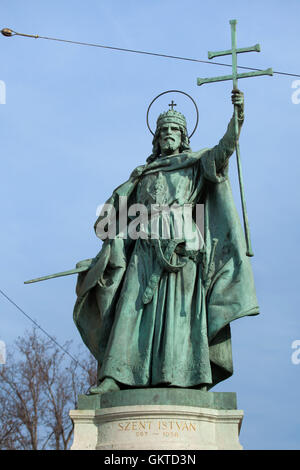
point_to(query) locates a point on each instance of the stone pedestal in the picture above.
(155, 419)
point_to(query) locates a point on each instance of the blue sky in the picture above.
(73, 128)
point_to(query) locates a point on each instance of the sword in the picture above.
(80, 267)
(163, 265)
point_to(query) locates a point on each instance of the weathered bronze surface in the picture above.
(234, 77)
(172, 104)
(154, 312)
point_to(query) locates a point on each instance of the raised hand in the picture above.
(237, 98)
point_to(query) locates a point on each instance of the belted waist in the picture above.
(192, 254)
(164, 250)
(180, 248)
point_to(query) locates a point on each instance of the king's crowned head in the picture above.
(171, 116)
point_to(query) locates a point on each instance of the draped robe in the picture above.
(181, 337)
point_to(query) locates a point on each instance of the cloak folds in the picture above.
(227, 291)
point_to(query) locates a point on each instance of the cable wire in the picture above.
(42, 329)
(9, 32)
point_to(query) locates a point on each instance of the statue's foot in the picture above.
(107, 385)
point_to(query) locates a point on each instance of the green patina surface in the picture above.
(234, 77)
(156, 312)
(159, 396)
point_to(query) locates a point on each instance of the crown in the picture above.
(171, 116)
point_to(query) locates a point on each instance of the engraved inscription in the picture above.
(168, 428)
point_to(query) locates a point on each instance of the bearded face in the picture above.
(170, 139)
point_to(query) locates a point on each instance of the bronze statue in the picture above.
(153, 311)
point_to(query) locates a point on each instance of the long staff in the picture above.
(234, 77)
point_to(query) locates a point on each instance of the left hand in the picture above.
(85, 263)
(237, 98)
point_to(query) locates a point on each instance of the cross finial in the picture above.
(234, 77)
(172, 104)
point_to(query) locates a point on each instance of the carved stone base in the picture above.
(152, 426)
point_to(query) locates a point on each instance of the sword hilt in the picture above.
(81, 266)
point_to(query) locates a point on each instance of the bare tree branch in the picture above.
(39, 384)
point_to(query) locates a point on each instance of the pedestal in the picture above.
(155, 419)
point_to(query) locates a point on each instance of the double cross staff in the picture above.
(234, 77)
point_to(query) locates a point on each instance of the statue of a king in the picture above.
(155, 309)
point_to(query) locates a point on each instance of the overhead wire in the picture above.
(10, 32)
(42, 329)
